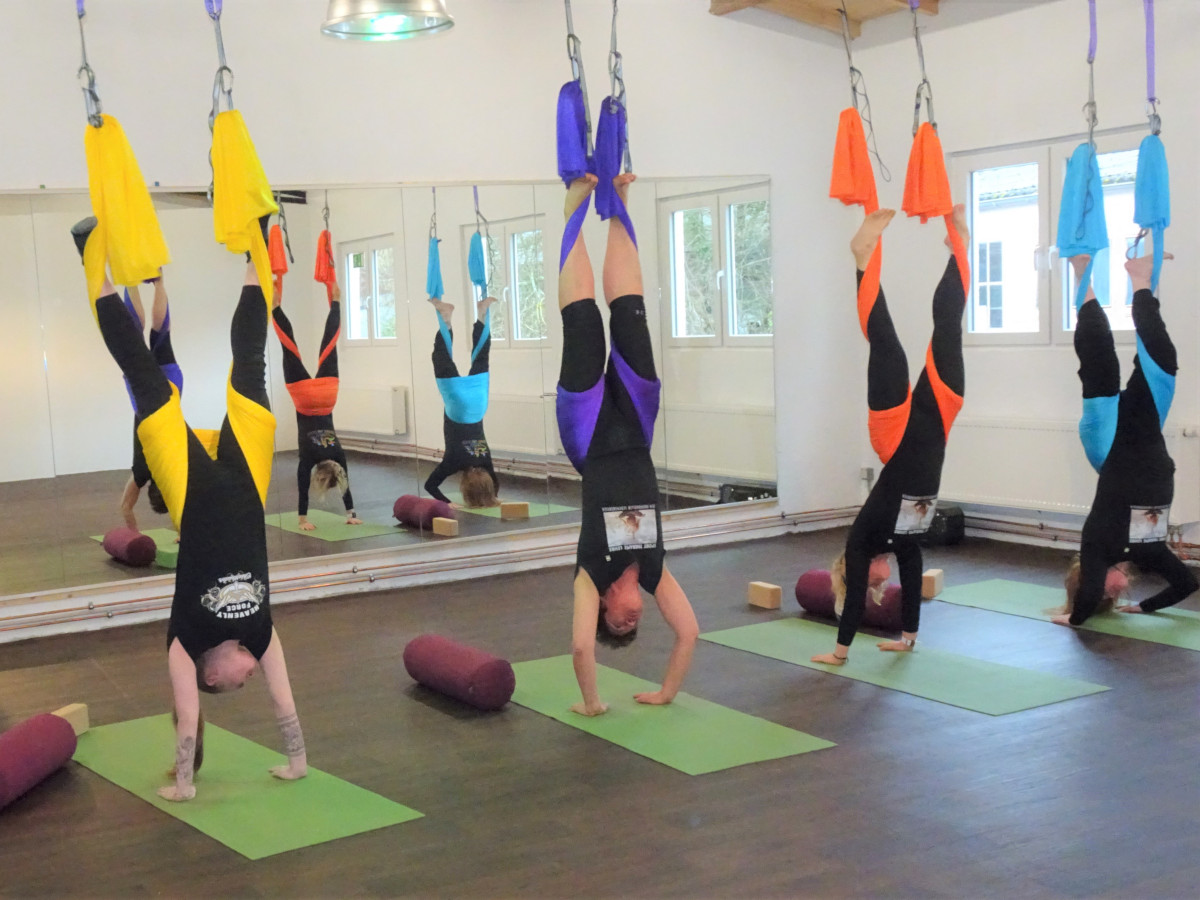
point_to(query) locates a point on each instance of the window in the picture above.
(716, 258)
(1013, 202)
(516, 272)
(370, 296)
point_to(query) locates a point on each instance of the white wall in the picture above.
(987, 94)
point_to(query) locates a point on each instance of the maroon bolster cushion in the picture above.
(814, 592)
(419, 512)
(130, 547)
(31, 751)
(464, 673)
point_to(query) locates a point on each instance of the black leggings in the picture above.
(293, 365)
(443, 362)
(584, 353)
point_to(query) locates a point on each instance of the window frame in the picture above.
(369, 246)
(719, 203)
(503, 233)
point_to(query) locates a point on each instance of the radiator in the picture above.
(1040, 464)
(373, 410)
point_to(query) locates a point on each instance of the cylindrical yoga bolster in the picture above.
(130, 547)
(465, 673)
(31, 751)
(419, 512)
(814, 592)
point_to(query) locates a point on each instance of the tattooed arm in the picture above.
(275, 671)
(187, 710)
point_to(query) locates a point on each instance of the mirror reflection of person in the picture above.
(164, 356)
(1121, 431)
(214, 485)
(322, 466)
(909, 429)
(465, 400)
(606, 421)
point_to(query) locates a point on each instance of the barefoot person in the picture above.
(214, 485)
(908, 430)
(322, 465)
(1122, 435)
(164, 355)
(465, 402)
(606, 421)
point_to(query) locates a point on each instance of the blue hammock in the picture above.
(1152, 197)
(1081, 224)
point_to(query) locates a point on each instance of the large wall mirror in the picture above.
(705, 246)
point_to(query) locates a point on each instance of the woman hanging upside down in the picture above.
(465, 400)
(322, 465)
(1121, 433)
(164, 355)
(214, 485)
(606, 421)
(908, 428)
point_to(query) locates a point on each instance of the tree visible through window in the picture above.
(753, 293)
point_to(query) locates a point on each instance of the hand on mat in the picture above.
(829, 659)
(653, 698)
(173, 793)
(1063, 619)
(584, 710)
(894, 647)
(307, 526)
(287, 773)
(353, 520)
(1131, 608)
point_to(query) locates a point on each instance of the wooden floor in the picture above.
(45, 534)
(1095, 797)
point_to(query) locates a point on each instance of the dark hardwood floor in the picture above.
(1095, 797)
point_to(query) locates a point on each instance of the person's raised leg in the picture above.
(1099, 375)
(576, 281)
(481, 337)
(249, 422)
(443, 342)
(622, 266)
(327, 363)
(948, 300)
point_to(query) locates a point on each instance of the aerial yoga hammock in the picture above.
(322, 461)
(464, 397)
(1121, 430)
(908, 427)
(214, 483)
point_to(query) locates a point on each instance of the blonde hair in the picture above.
(1071, 583)
(478, 489)
(837, 577)
(326, 475)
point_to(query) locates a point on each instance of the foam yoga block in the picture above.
(814, 591)
(130, 547)
(31, 751)
(419, 512)
(464, 673)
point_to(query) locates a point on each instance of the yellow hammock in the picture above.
(127, 233)
(241, 195)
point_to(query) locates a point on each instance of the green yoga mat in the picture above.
(237, 802)
(689, 734)
(164, 539)
(330, 526)
(535, 509)
(1173, 627)
(973, 684)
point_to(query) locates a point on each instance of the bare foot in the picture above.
(1131, 608)
(578, 192)
(484, 305)
(1141, 270)
(621, 184)
(445, 310)
(829, 659)
(863, 244)
(895, 646)
(958, 217)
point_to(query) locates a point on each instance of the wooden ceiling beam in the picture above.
(824, 13)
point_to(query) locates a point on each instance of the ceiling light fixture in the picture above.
(385, 20)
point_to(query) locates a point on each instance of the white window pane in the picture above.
(529, 286)
(1004, 234)
(1118, 171)
(752, 290)
(385, 294)
(693, 273)
(358, 296)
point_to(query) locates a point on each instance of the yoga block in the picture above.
(445, 527)
(465, 673)
(814, 593)
(932, 583)
(130, 547)
(77, 715)
(764, 595)
(512, 511)
(419, 512)
(31, 751)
